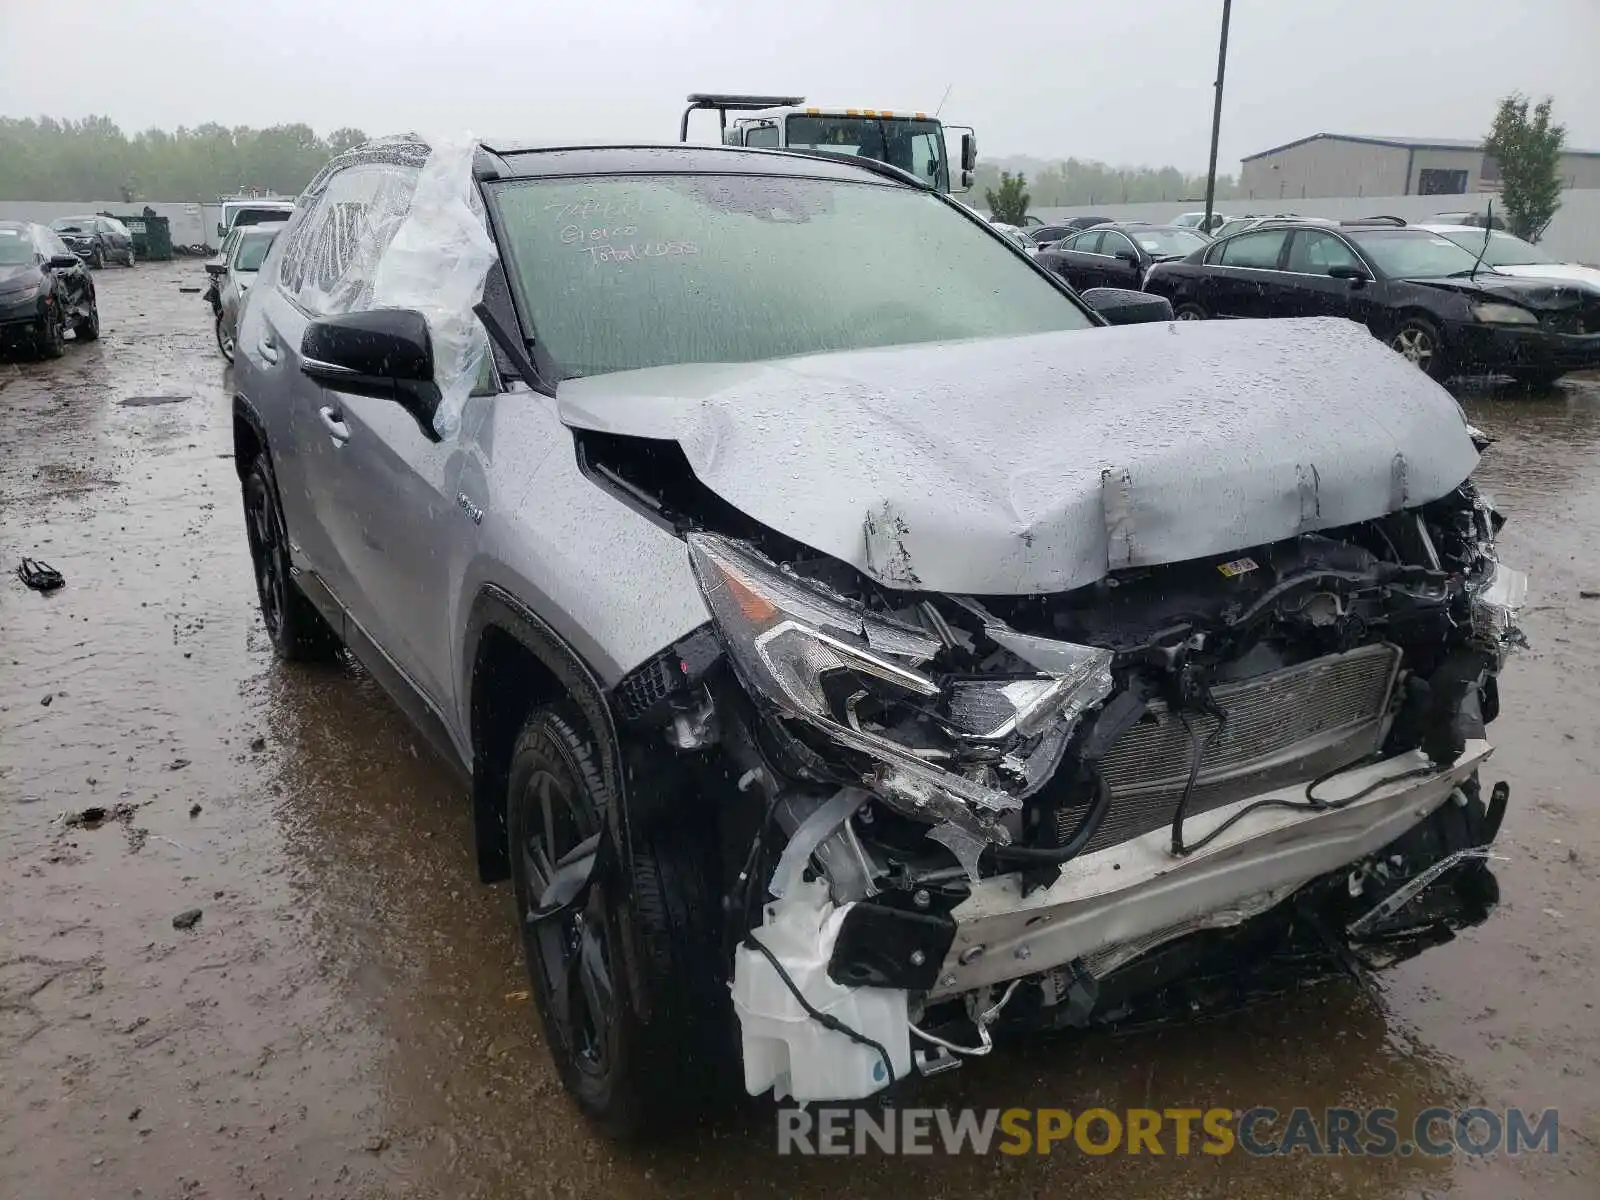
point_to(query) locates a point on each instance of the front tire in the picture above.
(1188, 312)
(98, 259)
(224, 340)
(297, 630)
(1417, 341)
(127, 260)
(635, 1063)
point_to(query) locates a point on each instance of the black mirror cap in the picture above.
(969, 152)
(389, 345)
(1353, 274)
(64, 262)
(1121, 306)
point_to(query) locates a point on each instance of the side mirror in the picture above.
(216, 270)
(969, 152)
(1120, 306)
(65, 262)
(1127, 256)
(384, 352)
(1355, 275)
(221, 232)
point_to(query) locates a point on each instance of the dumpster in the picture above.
(152, 237)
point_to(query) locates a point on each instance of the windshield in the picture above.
(1414, 254)
(1504, 250)
(915, 146)
(1168, 243)
(16, 248)
(73, 225)
(252, 251)
(624, 272)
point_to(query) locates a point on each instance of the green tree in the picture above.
(1009, 203)
(1528, 150)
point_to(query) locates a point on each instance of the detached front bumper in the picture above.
(1524, 348)
(1137, 895)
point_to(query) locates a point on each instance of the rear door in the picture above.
(267, 360)
(1244, 274)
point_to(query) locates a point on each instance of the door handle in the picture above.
(269, 348)
(333, 421)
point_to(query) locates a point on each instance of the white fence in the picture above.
(1574, 234)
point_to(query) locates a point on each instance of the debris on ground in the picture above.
(194, 810)
(97, 815)
(1586, 594)
(46, 698)
(177, 764)
(375, 1144)
(40, 576)
(187, 919)
(257, 745)
(190, 290)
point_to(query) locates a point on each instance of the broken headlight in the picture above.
(944, 746)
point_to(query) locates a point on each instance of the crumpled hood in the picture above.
(1040, 463)
(1540, 294)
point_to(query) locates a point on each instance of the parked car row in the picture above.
(232, 271)
(45, 291)
(1452, 298)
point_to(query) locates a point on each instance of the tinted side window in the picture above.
(1114, 243)
(1086, 243)
(763, 136)
(1314, 253)
(1258, 250)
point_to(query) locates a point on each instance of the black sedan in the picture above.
(44, 290)
(1118, 255)
(1428, 298)
(97, 240)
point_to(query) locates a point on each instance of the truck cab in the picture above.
(913, 141)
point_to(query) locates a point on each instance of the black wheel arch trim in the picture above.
(494, 607)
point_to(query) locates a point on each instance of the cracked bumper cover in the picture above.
(1136, 888)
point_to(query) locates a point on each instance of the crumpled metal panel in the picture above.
(1038, 463)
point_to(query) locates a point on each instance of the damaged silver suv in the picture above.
(859, 648)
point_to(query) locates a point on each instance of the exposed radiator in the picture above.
(1283, 727)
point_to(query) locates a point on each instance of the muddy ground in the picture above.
(348, 1017)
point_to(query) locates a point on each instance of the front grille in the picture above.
(1282, 727)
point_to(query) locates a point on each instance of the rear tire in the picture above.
(636, 1063)
(98, 260)
(1417, 340)
(127, 260)
(224, 340)
(297, 630)
(88, 327)
(1189, 311)
(50, 334)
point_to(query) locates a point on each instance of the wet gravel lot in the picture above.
(348, 1015)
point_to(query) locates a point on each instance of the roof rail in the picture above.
(725, 102)
(1378, 220)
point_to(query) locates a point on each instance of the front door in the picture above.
(1246, 279)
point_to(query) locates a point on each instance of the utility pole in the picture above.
(1216, 113)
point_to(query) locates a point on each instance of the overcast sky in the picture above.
(1125, 83)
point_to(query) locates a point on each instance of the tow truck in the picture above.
(912, 141)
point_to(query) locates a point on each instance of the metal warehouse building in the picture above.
(1337, 164)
